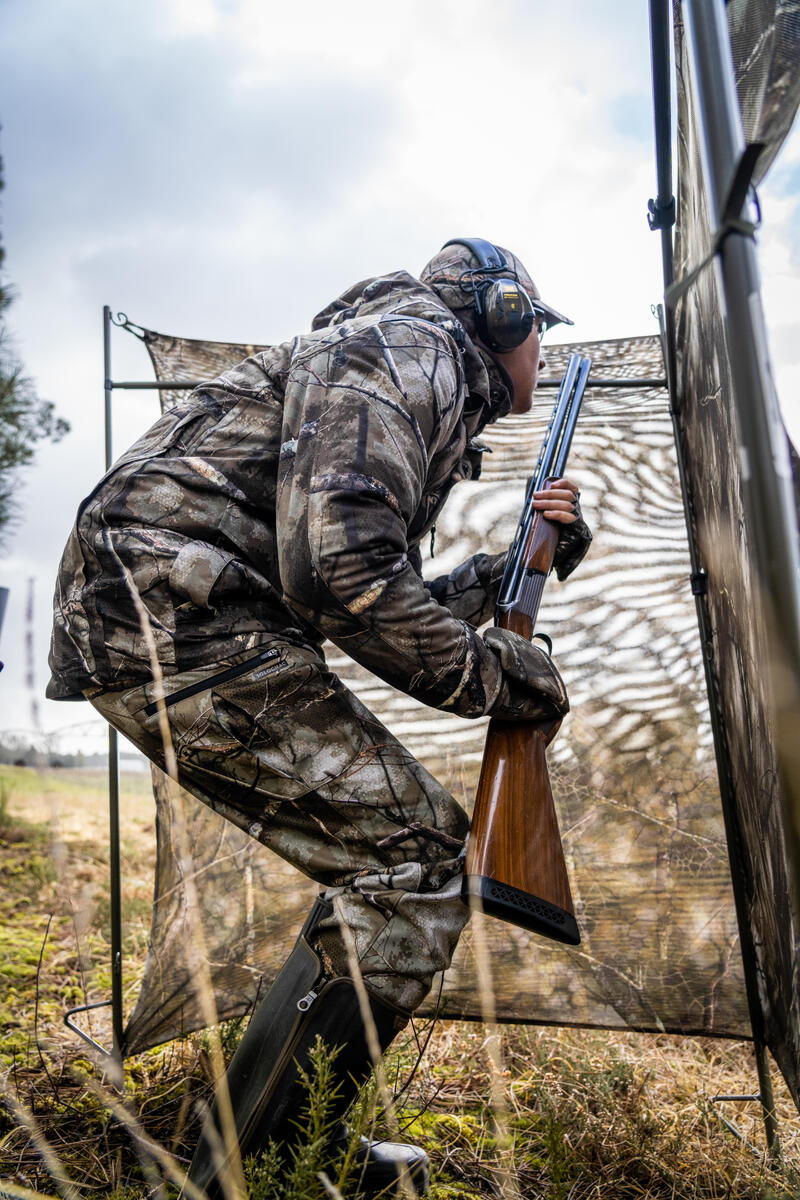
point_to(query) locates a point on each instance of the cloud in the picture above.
(223, 168)
(123, 128)
(160, 146)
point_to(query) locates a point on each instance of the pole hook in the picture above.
(123, 321)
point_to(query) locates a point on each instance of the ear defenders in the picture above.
(504, 312)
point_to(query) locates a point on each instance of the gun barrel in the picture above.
(571, 418)
(550, 464)
(553, 439)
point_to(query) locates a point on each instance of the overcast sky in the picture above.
(223, 168)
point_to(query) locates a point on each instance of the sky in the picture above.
(223, 168)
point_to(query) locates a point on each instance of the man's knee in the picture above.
(400, 939)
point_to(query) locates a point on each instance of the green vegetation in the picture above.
(588, 1114)
(270, 1176)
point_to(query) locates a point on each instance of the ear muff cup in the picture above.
(504, 311)
(505, 314)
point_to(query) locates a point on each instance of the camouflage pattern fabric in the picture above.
(281, 504)
(284, 750)
(633, 770)
(291, 496)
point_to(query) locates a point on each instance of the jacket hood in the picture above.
(489, 388)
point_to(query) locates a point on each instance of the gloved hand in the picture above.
(573, 543)
(560, 503)
(532, 688)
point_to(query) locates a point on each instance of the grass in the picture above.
(589, 1114)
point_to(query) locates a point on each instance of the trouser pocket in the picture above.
(297, 720)
(211, 717)
(212, 681)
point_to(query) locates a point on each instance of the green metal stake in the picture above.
(113, 767)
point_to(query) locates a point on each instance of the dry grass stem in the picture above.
(66, 1188)
(230, 1170)
(330, 1188)
(494, 1051)
(13, 1191)
(146, 1145)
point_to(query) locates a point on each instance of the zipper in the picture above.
(205, 685)
(287, 1053)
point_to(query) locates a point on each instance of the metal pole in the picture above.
(767, 1098)
(113, 767)
(609, 382)
(174, 385)
(156, 385)
(663, 207)
(107, 384)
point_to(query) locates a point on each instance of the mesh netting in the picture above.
(633, 769)
(766, 41)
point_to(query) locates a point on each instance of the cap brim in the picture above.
(551, 315)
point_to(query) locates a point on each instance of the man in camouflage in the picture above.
(282, 504)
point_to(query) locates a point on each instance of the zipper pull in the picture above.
(305, 1004)
(433, 539)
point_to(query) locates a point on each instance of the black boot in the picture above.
(266, 1090)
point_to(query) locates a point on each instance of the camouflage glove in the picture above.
(573, 542)
(532, 688)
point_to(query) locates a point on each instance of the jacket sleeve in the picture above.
(470, 591)
(370, 423)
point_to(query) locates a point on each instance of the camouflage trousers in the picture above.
(275, 742)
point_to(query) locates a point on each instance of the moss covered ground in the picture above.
(577, 1114)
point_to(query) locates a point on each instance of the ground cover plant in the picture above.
(576, 1113)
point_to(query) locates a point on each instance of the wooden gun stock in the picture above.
(515, 861)
(515, 866)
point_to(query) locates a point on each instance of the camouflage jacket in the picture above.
(290, 496)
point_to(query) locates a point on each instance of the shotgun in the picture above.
(515, 867)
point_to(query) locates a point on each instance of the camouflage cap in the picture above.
(445, 275)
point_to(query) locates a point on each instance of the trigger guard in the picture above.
(548, 642)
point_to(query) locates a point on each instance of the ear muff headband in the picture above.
(487, 254)
(504, 311)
